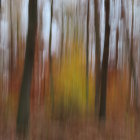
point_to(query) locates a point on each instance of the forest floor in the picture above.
(74, 129)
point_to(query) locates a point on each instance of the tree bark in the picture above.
(102, 113)
(117, 43)
(11, 47)
(0, 7)
(97, 56)
(24, 99)
(62, 37)
(50, 61)
(132, 63)
(87, 57)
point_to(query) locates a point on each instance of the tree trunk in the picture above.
(97, 56)
(117, 42)
(132, 63)
(24, 99)
(62, 38)
(87, 57)
(132, 71)
(102, 113)
(50, 61)
(0, 7)
(11, 47)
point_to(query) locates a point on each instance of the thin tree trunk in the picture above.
(132, 71)
(97, 56)
(24, 99)
(0, 7)
(117, 42)
(62, 37)
(87, 57)
(132, 64)
(102, 113)
(11, 48)
(67, 36)
(18, 22)
(40, 57)
(50, 60)
(123, 16)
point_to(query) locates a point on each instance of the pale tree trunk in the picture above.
(97, 56)
(62, 37)
(102, 113)
(24, 99)
(132, 70)
(117, 43)
(132, 63)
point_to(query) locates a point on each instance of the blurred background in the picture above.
(69, 69)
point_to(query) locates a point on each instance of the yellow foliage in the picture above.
(71, 81)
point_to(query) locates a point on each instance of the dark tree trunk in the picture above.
(24, 99)
(50, 60)
(122, 10)
(97, 56)
(102, 113)
(87, 57)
